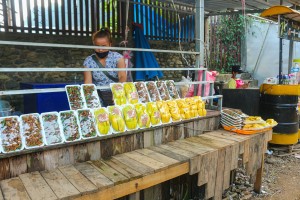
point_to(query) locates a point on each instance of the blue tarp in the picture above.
(144, 59)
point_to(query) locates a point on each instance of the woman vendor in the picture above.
(235, 82)
(103, 58)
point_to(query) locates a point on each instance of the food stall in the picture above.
(279, 101)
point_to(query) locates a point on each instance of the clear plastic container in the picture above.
(87, 123)
(75, 97)
(172, 89)
(142, 92)
(70, 126)
(142, 116)
(91, 97)
(116, 119)
(131, 93)
(102, 121)
(163, 90)
(174, 110)
(11, 137)
(154, 113)
(52, 128)
(164, 110)
(32, 131)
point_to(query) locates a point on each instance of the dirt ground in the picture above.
(281, 178)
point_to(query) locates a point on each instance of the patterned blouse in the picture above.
(99, 78)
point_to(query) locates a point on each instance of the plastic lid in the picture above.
(297, 60)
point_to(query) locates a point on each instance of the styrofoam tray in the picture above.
(15, 123)
(25, 127)
(93, 100)
(118, 110)
(70, 126)
(172, 90)
(231, 117)
(87, 123)
(132, 114)
(79, 103)
(163, 90)
(99, 118)
(145, 114)
(52, 129)
(121, 88)
(134, 97)
(153, 93)
(143, 94)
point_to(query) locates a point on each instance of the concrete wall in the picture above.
(267, 64)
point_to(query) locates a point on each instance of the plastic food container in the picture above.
(52, 128)
(142, 92)
(91, 97)
(11, 138)
(32, 131)
(70, 127)
(118, 93)
(130, 117)
(86, 123)
(153, 91)
(102, 121)
(184, 109)
(163, 90)
(164, 110)
(154, 113)
(142, 116)
(174, 110)
(131, 93)
(75, 97)
(116, 119)
(172, 89)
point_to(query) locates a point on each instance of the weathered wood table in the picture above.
(135, 164)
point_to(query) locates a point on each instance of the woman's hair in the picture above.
(102, 33)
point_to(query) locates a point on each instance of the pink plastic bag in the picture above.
(239, 83)
(210, 76)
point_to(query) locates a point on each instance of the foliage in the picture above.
(226, 36)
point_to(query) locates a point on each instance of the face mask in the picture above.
(238, 75)
(102, 54)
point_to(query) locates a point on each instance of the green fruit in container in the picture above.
(131, 93)
(118, 93)
(130, 117)
(154, 113)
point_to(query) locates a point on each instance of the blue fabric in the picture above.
(144, 59)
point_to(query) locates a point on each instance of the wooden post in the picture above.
(259, 173)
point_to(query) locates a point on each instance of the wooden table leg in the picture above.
(259, 174)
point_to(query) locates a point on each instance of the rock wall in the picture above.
(26, 56)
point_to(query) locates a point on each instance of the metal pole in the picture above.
(291, 52)
(280, 61)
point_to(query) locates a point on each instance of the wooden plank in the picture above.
(204, 163)
(93, 175)
(159, 157)
(128, 143)
(133, 186)
(220, 174)
(109, 172)
(221, 140)
(170, 154)
(199, 127)
(4, 169)
(123, 169)
(227, 166)
(190, 146)
(139, 167)
(66, 156)
(106, 148)
(35, 162)
(156, 165)
(148, 138)
(135, 196)
(117, 146)
(51, 159)
(235, 156)
(167, 135)
(178, 132)
(158, 136)
(1, 195)
(179, 151)
(21, 14)
(17, 165)
(81, 183)
(189, 129)
(94, 150)
(59, 184)
(138, 141)
(209, 142)
(36, 186)
(246, 151)
(80, 153)
(212, 173)
(13, 189)
(259, 173)
(228, 135)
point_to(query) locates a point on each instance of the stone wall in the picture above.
(26, 56)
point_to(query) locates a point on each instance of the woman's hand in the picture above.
(122, 74)
(87, 77)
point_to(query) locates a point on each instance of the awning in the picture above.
(273, 12)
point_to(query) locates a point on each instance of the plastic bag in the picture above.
(142, 116)
(130, 117)
(164, 111)
(174, 110)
